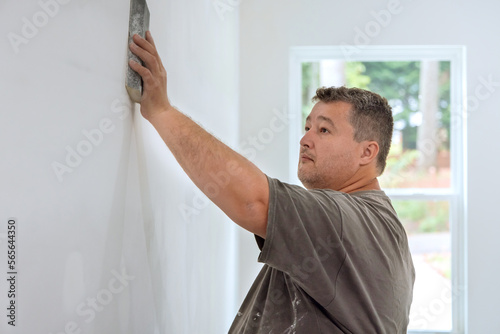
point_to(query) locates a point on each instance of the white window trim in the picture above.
(456, 194)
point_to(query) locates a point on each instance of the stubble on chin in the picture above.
(310, 179)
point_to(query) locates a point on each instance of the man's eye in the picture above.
(306, 128)
(323, 130)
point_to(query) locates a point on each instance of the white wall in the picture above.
(119, 207)
(269, 28)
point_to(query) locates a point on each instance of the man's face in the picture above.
(329, 155)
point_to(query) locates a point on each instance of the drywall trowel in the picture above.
(138, 24)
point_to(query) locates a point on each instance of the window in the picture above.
(425, 169)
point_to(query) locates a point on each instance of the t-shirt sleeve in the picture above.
(304, 237)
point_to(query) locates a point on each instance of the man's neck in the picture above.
(361, 186)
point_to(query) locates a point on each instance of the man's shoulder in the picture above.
(367, 199)
(374, 196)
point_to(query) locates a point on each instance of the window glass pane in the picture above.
(419, 93)
(427, 225)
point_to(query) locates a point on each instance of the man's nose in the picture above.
(306, 140)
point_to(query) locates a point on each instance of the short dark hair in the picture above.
(371, 116)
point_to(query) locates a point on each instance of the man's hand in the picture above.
(154, 97)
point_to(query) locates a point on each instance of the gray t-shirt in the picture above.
(333, 263)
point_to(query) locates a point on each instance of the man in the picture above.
(336, 256)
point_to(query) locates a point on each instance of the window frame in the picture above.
(456, 194)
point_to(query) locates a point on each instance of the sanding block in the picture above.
(138, 24)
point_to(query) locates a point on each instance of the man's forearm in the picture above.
(231, 181)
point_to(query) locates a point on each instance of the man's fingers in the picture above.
(146, 45)
(150, 60)
(149, 38)
(143, 72)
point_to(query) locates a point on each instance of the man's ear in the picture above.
(369, 152)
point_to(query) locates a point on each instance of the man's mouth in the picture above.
(306, 157)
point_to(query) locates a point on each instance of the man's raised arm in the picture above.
(231, 181)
